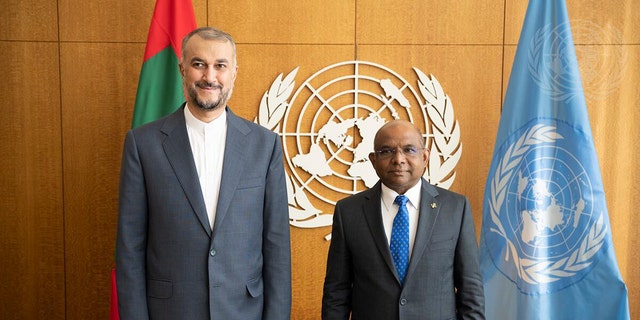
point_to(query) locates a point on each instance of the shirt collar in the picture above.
(199, 126)
(388, 195)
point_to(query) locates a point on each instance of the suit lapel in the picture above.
(178, 151)
(429, 210)
(233, 164)
(373, 215)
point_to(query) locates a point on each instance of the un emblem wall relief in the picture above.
(327, 125)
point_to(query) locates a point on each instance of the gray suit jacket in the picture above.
(169, 263)
(443, 279)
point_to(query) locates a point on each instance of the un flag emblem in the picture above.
(546, 231)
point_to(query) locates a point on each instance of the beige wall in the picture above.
(70, 70)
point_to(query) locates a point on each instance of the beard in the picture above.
(212, 104)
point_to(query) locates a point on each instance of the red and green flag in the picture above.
(160, 84)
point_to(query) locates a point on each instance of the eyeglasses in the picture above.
(386, 153)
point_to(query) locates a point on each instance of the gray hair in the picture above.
(211, 33)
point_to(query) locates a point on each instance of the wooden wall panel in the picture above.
(617, 16)
(618, 20)
(200, 10)
(430, 22)
(285, 22)
(31, 227)
(513, 19)
(98, 92)
(112, 20)
(105, 21)
(59, 180)
(28, 20)
(614, 118)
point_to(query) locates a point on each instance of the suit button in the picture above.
(212, 252)
(403, 302)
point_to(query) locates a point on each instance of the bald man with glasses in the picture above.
(404, 249)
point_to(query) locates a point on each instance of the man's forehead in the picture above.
(196, 43)
(208, 52)
(407, 136)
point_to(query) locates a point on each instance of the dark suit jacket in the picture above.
(169, 263)
(443, 279)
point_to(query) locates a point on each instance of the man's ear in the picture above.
(181, 68)
(426, 155)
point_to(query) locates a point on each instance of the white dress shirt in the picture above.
(207, 145)
(390, 209)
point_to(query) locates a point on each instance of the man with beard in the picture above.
(203, 228)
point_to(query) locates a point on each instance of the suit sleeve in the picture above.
(276, 248)
(468, 279)
(336, 297)
(131, 237)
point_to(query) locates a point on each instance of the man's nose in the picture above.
(209, 74)
(398, 156)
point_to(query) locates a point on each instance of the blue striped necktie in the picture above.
(399, 244)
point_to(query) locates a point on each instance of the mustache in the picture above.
(208, 85)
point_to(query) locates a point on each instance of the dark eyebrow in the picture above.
(411, 145)
(197, 59)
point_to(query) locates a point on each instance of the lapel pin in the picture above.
(434, 205)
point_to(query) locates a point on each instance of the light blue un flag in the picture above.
(546, 248)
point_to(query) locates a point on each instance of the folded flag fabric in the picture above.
(546, 246)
